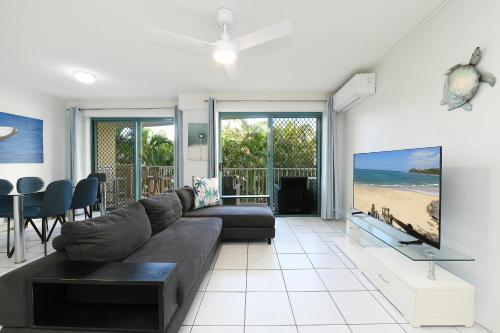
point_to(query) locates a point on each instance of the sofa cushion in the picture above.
(206, 192)
(57, 243)
(238, 216)
(111, 237)
(162, 210)
(189, 243)
(186, 196)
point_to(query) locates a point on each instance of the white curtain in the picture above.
(76, 145)
(330, 183)
(211, 140)
(178, 146)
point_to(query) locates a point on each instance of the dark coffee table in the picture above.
(101, 296)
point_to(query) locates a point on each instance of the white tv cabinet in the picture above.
(426, 294)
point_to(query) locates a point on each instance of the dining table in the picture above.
(18, 219)
(19, 237)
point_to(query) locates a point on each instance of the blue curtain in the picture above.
(179, 145)
(212, 165)
(76, 153)
(330, 187)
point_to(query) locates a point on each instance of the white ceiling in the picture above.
(43, 42)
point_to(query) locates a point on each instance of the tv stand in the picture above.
(407, 274)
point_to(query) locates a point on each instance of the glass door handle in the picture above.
(221, 167)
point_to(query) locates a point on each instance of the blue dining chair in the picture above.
(26, 185)
(55, 203)
(32, 198)
(85, 196)
(5, 187)
(101, 178)
(6, 210)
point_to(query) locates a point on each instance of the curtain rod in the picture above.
(151, 108)
(269, 100)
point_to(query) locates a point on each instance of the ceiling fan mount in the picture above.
(225, 50)
(225, 18)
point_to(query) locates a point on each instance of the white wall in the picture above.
(406, 113)
(20, 101)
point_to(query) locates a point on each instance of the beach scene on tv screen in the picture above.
(401, 188)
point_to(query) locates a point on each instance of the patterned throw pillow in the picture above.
(206, 192)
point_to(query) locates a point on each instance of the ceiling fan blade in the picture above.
(264, 35)
(172, 36)
(231, 71)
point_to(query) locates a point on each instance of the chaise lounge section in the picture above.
(242, 222)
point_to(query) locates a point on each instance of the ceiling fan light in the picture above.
(84, 77)
(225, 54)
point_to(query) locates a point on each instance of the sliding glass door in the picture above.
(115, 153)
(274, 154)
(137, 156)
(156, 157)
(244, 160)
(295, 165)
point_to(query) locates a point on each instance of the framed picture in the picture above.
(197, 141)
(21, 139)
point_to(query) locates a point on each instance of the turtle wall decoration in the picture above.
(462, 83)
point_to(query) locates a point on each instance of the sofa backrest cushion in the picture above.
(162, 210)
(111, 237)
(186, 195)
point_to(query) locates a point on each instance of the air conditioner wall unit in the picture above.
(357, 90)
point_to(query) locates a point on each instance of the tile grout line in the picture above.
(326, 289)
(205, 289)
(286, 288)
(246, 292)
(370, 291)
(371, 294)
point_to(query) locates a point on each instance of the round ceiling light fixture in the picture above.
(225, 52)
(84, 77)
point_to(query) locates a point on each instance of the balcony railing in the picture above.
(121, 183)
(156, 179)
(253, 181)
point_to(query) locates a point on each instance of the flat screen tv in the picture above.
(403, 189)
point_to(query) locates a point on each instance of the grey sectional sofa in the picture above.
(152, 231)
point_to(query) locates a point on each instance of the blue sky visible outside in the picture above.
(400, 160)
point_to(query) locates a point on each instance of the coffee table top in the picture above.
(95, 272)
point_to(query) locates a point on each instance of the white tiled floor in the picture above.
(302, 283)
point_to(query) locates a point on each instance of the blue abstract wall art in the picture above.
(21, 139)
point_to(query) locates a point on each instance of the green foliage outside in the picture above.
(156, 149)
(244, 144)
(430, 171)
(125, 145)
(295, 143)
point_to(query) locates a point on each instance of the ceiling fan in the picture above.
(225, 50)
